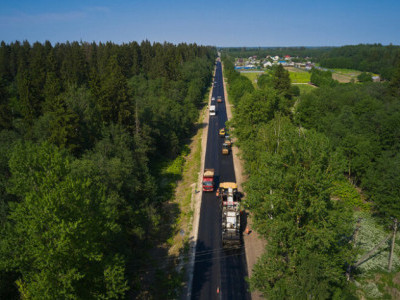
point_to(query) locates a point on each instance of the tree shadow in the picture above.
(204, 260)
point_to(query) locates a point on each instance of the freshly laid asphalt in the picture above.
(218, 273)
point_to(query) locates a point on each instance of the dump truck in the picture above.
(208, 180)
(225, 149)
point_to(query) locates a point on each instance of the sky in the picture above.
(251, 23)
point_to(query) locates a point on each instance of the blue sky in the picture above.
(220, 23)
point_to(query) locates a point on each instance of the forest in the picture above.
(83, 128)
(374, 58)
(308, 157)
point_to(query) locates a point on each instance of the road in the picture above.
(218, 274)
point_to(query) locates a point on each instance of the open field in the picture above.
(299, 76)
(305, 88)
(252, 76)
(345, 75)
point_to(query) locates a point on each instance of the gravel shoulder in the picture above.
(254, 244)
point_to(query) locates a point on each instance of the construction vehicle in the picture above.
(228, 191)
(231, 232)
(231, 221)
(222, 132)
(226, 149)
(208, 180)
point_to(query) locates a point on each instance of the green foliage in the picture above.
(281, 80)
(373, 58)
(289, 183)
(364, 77)
(295, 90)
(291, 174)
(238, 85)
(61, 219)
(322, 78)
(265, 80)
(346, 192)
(256, 109)
(79, 201)
(394, 85)
(360, 121)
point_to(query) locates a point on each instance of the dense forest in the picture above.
(368, 58)
(305, 158)
(374, 58)
(82, 128)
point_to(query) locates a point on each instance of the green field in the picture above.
(252, 77)
(299, 77)
(305, 88)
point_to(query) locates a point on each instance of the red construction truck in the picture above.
(208, 180)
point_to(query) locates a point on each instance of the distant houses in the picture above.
(252, 62)
(267, 64)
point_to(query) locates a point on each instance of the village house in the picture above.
(267, 64)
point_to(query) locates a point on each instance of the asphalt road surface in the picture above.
(218, 273)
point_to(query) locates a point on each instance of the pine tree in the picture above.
(114, 101)
(281, 80)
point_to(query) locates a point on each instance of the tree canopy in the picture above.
(82, 129)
